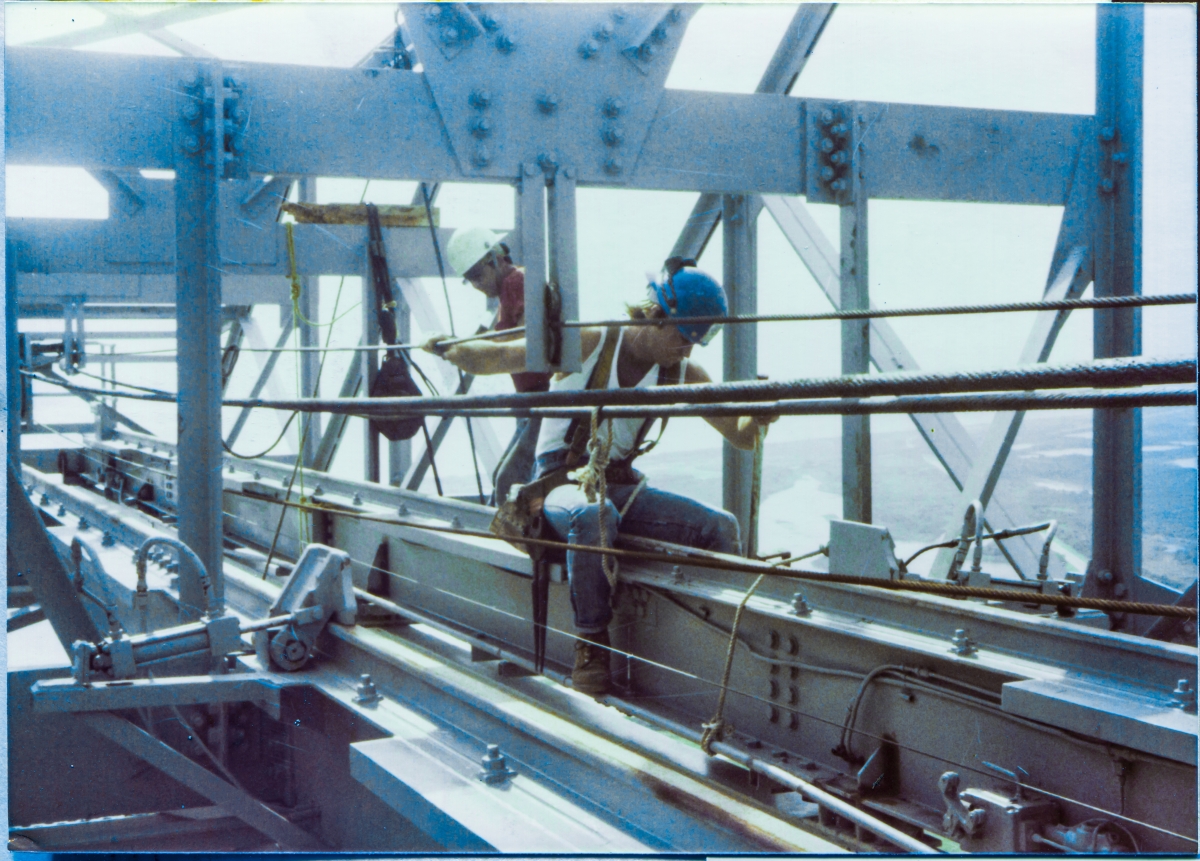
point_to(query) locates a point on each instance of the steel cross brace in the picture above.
(65, 695)
(946, 436)
(199, 779)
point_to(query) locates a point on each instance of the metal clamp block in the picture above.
(961, 644)
(495, 767)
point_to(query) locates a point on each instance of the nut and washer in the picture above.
(495, 767)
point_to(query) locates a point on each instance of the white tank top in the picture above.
(625, 431)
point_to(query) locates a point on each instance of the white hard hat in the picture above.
(468, 246)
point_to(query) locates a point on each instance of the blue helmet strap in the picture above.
(672, 267)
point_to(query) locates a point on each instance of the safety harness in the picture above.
(520, 516)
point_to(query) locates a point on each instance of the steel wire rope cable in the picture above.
(842, 393)
(386, 604)
(1117, 373)
(437, 250)
(1095, 303)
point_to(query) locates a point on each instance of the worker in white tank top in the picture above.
(644, 356)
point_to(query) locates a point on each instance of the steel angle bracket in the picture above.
(575, 84)
(54, 696)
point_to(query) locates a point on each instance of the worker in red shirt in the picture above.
(478, 255)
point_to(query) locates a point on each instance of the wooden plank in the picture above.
(390, 215)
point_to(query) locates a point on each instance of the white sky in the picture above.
(1028, 57)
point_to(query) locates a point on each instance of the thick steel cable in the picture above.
(1116, 373)
(699, 559)
(1098, 374)
(1098, 303)
(992, 402)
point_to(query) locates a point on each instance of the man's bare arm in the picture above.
(741, 431)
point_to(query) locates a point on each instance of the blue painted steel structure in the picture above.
(604, 105)
(550, 99)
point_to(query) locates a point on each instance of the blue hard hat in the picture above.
(689, 292)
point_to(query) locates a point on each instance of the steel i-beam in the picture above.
(741, 347)
(856, 343)
(1117, 434)
(309, 307)
(198, 163)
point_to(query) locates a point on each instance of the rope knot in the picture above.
(715, 730)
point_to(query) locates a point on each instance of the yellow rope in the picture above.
(716, 728)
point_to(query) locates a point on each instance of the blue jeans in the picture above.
(655, 514)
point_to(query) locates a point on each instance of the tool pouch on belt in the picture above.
(516, 515)
(394, 379)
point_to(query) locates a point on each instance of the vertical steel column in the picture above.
(12, 359)
(531, 226)
(370, 368)
(1117, 434)
(400, 451)
(564, 263)
(856, 342)
(198, 163)
(740, 249)
(310, 307)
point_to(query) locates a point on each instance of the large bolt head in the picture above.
(613, 135)
(613, 107)
(613, 166)
(826, 117)
(191, 111)
(548, 103)
(504, 44)
(481, 157)
(480, 127)
(1107, 134)
(190, 144)
(827, 173)
(588, 48)
(480, 98)
(827, 145)
(603, 32)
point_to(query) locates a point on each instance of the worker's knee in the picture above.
(574, 518)
(721, 533)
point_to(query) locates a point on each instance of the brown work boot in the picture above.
(590, 674)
